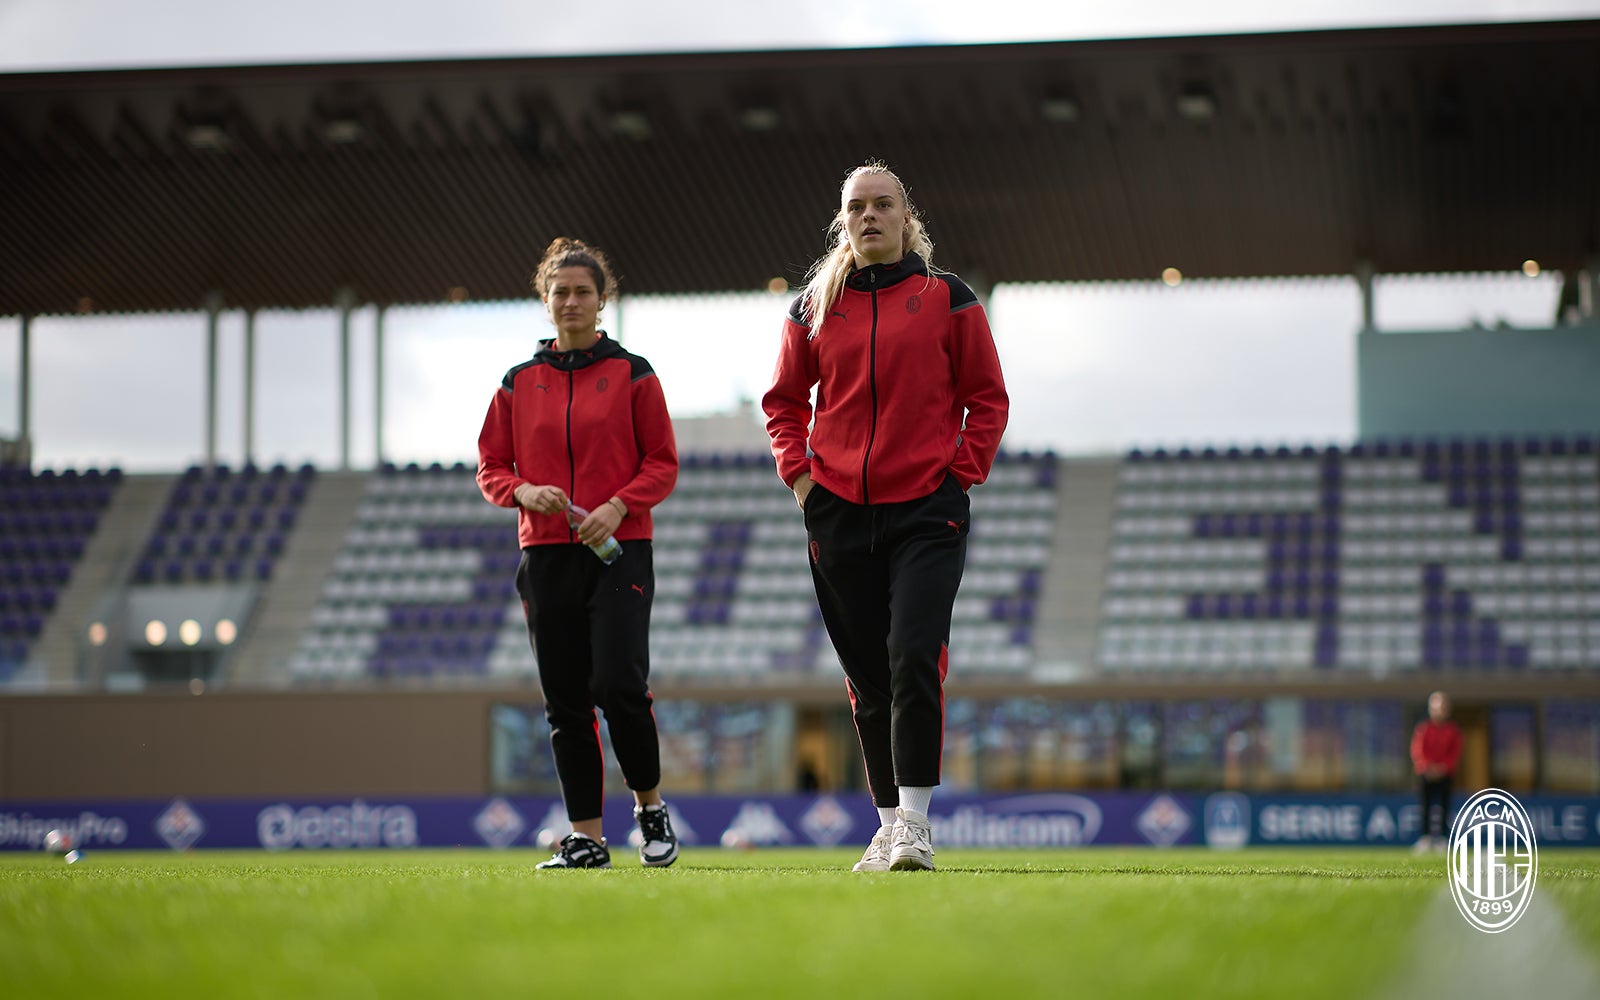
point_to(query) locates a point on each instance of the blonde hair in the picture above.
(825, 281)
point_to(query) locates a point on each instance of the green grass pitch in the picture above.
(1097, 922)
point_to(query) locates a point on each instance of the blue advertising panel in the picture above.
(1221, 820)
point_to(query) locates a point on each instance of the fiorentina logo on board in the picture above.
(180, 826)
(499, 823)
(826, 822)
(1163, 821)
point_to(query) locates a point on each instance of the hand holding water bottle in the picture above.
(597, 529)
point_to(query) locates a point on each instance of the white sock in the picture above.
(886, 815)
(916, 798)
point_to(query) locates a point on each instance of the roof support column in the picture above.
(1364, 276)
(213, 311)
(24, 384)
(377, 386)
(250, 387)
(345, 300)
(1589, 289)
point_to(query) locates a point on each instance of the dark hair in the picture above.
(567, 252)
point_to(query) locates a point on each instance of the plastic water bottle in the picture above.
(607, 550)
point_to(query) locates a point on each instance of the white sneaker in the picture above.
(911, 842)
(877, 857)
(658, 844)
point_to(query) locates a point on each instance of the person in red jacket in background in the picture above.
(1435, 751)
(578, 440)
(910, 406)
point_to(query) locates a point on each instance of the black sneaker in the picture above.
(658, 846)
(578, 851)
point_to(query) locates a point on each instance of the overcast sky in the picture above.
(1090, 368)
(73, 34)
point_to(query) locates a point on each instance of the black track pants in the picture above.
(1435, 792)
(590, 627)
(886, 578)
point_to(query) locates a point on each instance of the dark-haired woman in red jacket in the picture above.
(910, 407)
(584, 425)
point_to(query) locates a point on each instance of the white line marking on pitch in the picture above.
(1536, 959)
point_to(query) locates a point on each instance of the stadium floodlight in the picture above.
(759, 118)
(155, 632)
(1530, 267)
(631, 123)
(206, 137)
(343, 131)
(1197, 104)
(226, 631)
(97, 633)
(189, 632)
(1059, 110)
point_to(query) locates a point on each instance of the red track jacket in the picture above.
(910, 388)
(592, 422)
(1436, 744)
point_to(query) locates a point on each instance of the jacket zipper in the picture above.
(572, 461)
(872, 381)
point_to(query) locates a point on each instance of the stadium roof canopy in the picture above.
(1430, 149)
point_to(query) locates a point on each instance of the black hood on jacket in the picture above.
(881, 276)
(571, 361)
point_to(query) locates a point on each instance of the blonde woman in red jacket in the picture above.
(583, 426)
(910, 407)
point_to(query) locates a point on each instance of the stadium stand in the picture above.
(46, 520)
(423, 584)
(222, 525)
(1386, 555)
